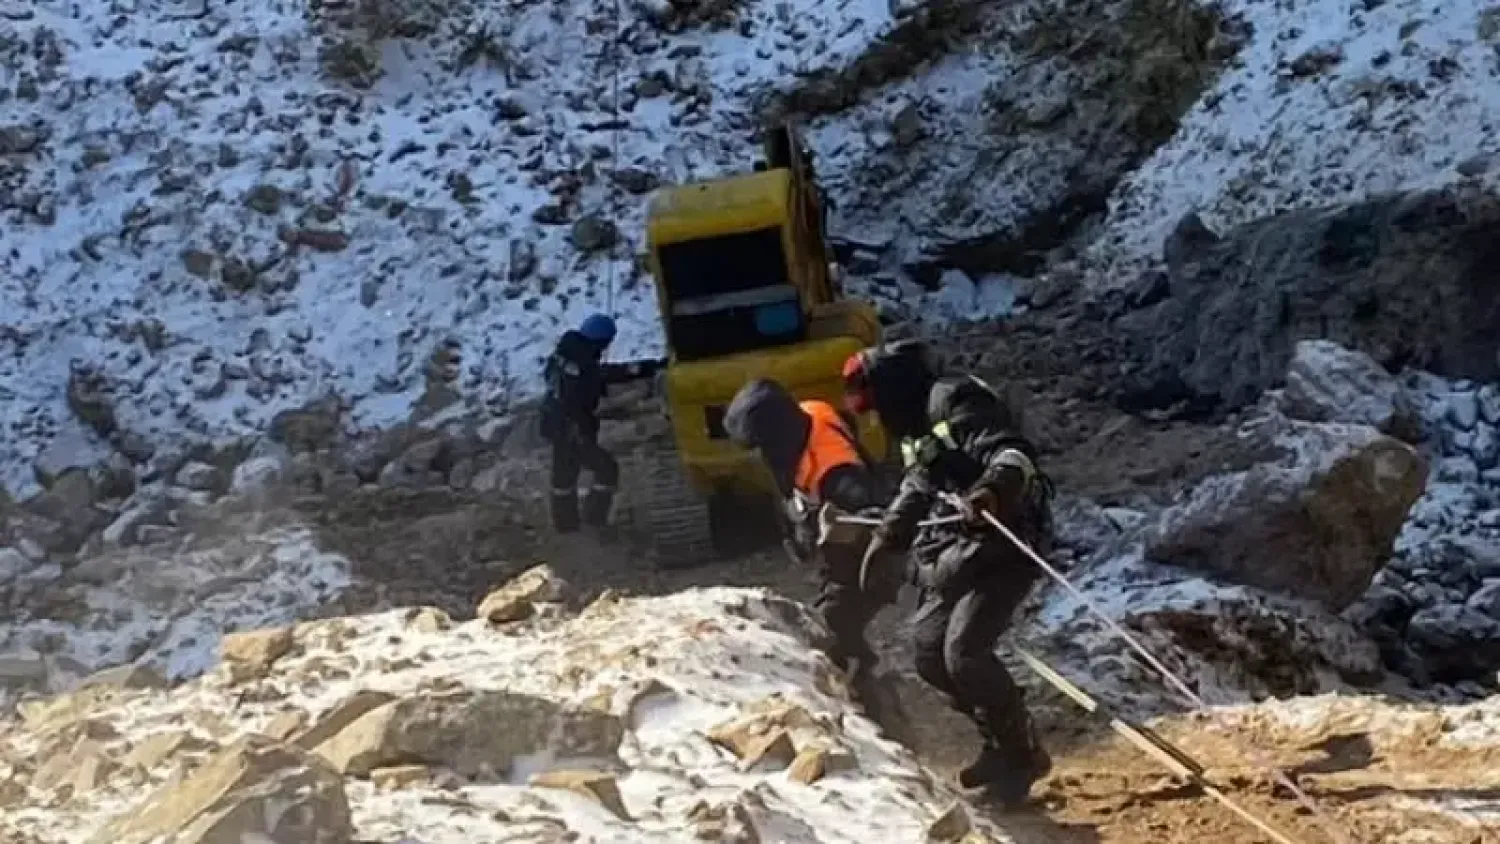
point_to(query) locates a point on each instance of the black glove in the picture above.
(979, 503)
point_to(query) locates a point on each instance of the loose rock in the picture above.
(1317, 523)
(249, 656)
(469, 732)
(255, 789)
(517, 599)
(1328, 383)
(597, 786)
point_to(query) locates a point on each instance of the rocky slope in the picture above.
(237, 239)
(704, 715)
(213, 216)
(1243, 625)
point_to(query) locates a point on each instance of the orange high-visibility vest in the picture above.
(830, 444)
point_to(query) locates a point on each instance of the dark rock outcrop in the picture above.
(1410, 279)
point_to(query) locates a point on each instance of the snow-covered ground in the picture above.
(160, 160)
(671, 670)
(163, 608)
(1329, 102)
(191, 207)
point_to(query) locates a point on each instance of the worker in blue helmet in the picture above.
(577, 379)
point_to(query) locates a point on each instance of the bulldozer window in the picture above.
(730, 294)
(730, 263)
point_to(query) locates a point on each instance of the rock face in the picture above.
(254, 789)
(1317, 522)
(469, 732)
(1433, 609)
(387, 727)
(1405, 278)
(1328, 383)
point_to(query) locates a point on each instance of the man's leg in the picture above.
(847, 612)
(604, 472)
(1012, 758)
(845, 609)
(929, 630)
(564, 485)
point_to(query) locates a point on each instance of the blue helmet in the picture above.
(598, 328)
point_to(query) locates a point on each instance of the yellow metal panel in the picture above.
(725, 206)
(846, 318)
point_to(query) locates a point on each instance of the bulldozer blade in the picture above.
(1151, 743)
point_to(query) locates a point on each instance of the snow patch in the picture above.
(169, 610)
(1329, 102)
(711, 652)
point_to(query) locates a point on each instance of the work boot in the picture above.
(565, 510)
(1011, 787)
(596, 505)
(1007, 773)
(989, 767)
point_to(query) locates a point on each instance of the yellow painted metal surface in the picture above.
(731, 205)
(812, 369)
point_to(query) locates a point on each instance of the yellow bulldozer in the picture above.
(746, 290)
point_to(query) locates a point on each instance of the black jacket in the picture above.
(981, 428)
(577, 379)
(763, 416)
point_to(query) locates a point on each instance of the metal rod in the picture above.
(871, 521)
(1153, 745)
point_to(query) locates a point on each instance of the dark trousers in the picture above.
(955, 653)
(846, 610)
(570, 456)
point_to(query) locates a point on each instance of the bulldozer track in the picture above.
(673, 515)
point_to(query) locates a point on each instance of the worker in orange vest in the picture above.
(820, 469)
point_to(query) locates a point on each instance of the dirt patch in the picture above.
(1402, 792)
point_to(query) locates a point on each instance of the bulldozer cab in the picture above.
(741, 261)
(746, 290)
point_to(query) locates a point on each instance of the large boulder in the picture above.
(1329, 383)
(253, 790)
(470, 732)
(1456, 642)
(62, 517)
(1315, 521)
(1407, 278)
(1230, 640)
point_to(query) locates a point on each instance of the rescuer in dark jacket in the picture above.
(958, 436)
(577, 379)
(815, 458)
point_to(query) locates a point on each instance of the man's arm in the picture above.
(913, 501)
(624, 373)
(1008, 469)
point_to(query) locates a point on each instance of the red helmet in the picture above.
(857, 394)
